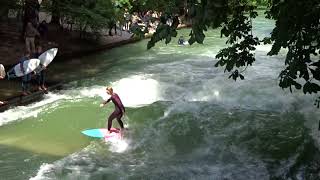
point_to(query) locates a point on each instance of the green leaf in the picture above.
(316, 73)
(310, 88)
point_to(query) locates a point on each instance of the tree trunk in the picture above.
(55, 12)
(30, 9)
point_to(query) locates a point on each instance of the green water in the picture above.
(186, 119)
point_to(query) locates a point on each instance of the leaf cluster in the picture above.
(297, 30)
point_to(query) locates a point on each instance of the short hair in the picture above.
(109, 89)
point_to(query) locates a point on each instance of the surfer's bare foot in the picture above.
(40, 88)
(44, 88)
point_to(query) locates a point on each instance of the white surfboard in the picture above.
(47, 57)
(28, 66)
(2, 71)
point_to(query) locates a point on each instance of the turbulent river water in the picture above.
(186, 120)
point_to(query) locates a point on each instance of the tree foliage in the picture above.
(297, 29)
(6, 5)
(84, 14)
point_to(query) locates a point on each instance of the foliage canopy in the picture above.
(297, 29)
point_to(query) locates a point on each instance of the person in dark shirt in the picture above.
(119, 108)
(43, 29)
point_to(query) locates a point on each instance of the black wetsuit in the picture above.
(118, 112)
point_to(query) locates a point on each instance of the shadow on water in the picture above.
(17, 164)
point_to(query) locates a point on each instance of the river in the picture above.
(186, 119)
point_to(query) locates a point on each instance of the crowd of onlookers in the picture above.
(34, 34)
(148, 19)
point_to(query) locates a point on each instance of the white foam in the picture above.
(95, 91)
(32, 110)
(134, 91)
(137, 90)
(117, 145)
(44, 169)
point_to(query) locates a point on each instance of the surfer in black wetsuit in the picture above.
(119, 108)
(181, 40)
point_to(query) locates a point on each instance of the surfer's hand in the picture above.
(101, 105)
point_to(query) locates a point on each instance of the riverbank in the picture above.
(70, 52)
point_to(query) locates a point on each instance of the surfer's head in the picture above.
(109, 90)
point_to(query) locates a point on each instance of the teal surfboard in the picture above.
(102, 133)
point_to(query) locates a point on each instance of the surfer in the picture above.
(181, 40)
(119, 108)
(40, 75)
(27, 77)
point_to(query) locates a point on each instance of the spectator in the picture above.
(43, 29)
(30, 35)
(2, 72)
(127, 17)
(2, 75)
(40, 71)
(27, 77)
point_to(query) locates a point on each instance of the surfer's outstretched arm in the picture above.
(105, 102)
